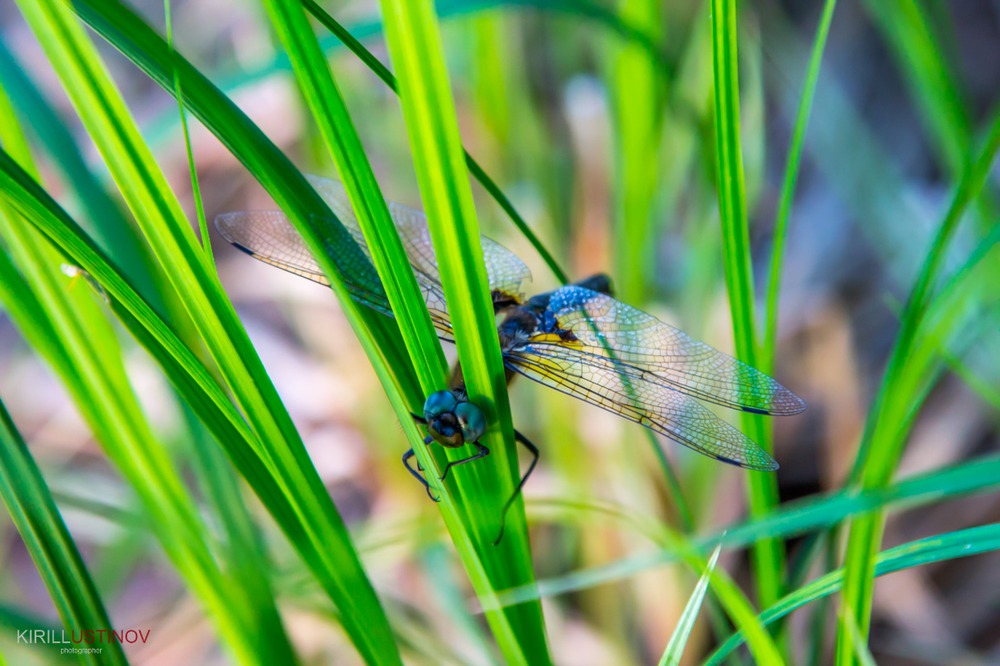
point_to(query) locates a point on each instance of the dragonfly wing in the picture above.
(661, 354)
(271, 238)
(506, 274)
(598, 381)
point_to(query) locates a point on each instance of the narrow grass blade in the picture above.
(437, 563)
(675, 648)
(789, 180)
(934, 86)
(861, 652)
(243, 549)
(380, 70)
(941, 548)
(49, 543)
(768, 553)
(289, 21)
(790, 520)
(428, 109)
(189, 153)
(637, 98)
(79, 343)
(904, 385)
(103, 216)
(330, 551)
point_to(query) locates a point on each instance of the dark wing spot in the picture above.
(243, 248)
(754, 410)
(568, 336)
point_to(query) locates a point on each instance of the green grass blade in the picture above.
(903, 387)
(324, 540)
(436, 561)
(768, 553)
(331, 553)
(243, 549)
(380, 70)
(861, 652)
(637, 104)
(790, 520)
(932, 81)
(37, 519)
(941, 548)
(289, 20)
(429, 112)
(675, 648)
(82, 348)
(189, 153)
(105, 221)
(788, 182)
(118, 24)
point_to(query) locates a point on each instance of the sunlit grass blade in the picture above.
(768, 553)
(243, 550)
(903, 387)
(104, 219)
(49, 543)
(637, 85)
(67, 327)
(182, 113)
(941, 548)
(861, 651)
(675, 648)
(380, 70)
(437, 561)
(337, 128)
(428, 109)
(790, 520)
(324, 540)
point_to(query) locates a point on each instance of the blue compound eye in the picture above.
(441, 402)
(471, 420)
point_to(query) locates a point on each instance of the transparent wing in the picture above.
(598, 381)
(650, 351)
(270, 237)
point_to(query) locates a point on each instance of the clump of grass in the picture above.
(147, 272)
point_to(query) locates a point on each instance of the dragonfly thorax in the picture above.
(516, 328)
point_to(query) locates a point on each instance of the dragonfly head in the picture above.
(453, 422)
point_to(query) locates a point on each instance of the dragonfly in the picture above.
(577, 339)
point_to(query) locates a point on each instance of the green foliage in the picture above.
(675, 648)
(48, 541)
(763, 488)
(414, 43)
(689, 94)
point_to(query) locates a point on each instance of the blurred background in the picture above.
(595, 119)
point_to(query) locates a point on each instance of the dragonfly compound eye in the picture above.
(441, 402)
(471, 420)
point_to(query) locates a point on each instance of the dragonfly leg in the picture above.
(518, 437)
(481, 451)
(406, 463)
